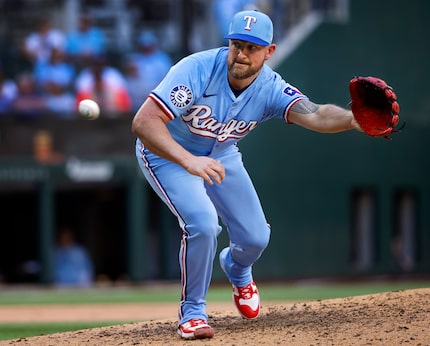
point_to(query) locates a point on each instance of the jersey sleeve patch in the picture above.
(180, 96)
(292, 91)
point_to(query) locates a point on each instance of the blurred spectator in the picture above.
(145, 68)
(85, 42)
(59, 102)
(104, 84)
(38, 44)
(8, 93)
(55, 79)
(43, 148)
(73, 265)
(29, 102)
(134, 82)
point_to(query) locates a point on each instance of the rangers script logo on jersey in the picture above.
(200, 122)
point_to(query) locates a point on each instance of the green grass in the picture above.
(170, 293)
(162, 293)
(21, 330)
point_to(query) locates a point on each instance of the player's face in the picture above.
(245, 59)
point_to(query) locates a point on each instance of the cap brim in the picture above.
(248, 38)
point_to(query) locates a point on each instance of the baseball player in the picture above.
(187, 132)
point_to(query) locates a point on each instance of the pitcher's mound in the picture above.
(394, 318)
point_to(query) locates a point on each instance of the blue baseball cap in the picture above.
(251, 26)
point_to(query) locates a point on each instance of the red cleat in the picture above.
(247, 300)
(196, 328)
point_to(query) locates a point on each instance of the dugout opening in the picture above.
(363, 246)
(95, 213)
(404, 235)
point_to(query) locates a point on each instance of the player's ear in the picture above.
(269, 51)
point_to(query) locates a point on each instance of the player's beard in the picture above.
(239, 72)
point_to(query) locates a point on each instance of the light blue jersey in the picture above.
(206, 114)
(208, 119)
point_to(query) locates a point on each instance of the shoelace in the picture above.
(197, 322)
(246, 292)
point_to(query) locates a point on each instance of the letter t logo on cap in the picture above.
(249, 20)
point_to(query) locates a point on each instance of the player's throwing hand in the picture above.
(209, 169)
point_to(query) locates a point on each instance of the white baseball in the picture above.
(89, 109)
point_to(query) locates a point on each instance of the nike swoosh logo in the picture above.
(208, 95)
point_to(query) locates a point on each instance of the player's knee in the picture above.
(246, 255)
(258, 240)
(251, 248)
(257, 247)
(204, 226)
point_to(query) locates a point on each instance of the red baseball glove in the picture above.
(374, 106)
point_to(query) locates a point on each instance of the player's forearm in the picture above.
(161, 143)
(153, 133)
(331, 119)
(325, 118)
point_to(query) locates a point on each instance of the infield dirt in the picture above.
(394, 318)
